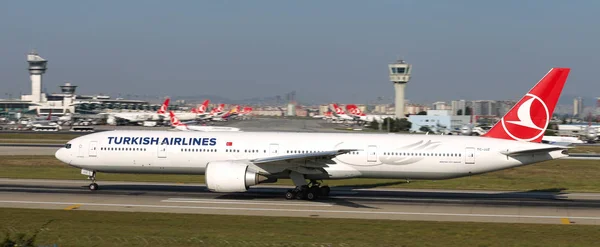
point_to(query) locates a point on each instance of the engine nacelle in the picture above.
(227, 176)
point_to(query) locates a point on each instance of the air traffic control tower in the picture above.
(399, 75)
(37, 67)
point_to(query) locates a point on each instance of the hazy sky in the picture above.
(325, 50)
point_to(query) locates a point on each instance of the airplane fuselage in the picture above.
(379, 156)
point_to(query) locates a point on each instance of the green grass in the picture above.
(585, 149)
(90, 228)
(557, 175)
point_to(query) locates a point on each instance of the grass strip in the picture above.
(92, 228)
(551, 176)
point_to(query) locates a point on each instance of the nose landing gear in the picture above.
(93, 186)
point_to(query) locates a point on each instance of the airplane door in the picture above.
(470, 156)
(372, 153)
(93, 149)
(274, 149)
(80, 151)
(162, 151)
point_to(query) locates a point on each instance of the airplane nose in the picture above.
(63, 155)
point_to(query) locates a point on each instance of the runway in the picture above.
(389, 204)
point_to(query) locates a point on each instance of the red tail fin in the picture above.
(174, 120)
(354, 110)
(202, 108)
(49, 115)
(164, 107)
(338, 110)
(529, 118)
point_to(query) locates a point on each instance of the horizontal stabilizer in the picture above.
(532, 151)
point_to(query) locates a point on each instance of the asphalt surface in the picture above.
(389, 204)
(432, 205)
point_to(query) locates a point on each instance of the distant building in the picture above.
(381, 108)
(504, 106)
(485, 108)
(323, 109)
(268, 111)
(458, 106)
(438, 121)
(577, 106)
(440, 105)
(412, 109)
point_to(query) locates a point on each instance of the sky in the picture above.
(326, 51)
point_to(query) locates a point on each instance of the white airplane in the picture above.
(201, 110)
(139, 117)
(355, 112)
(135, 117)
(182, 126)
(561, 140)
(234, 161)
(340, 114)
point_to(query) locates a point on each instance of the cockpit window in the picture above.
(68, 145)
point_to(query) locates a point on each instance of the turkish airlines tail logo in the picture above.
(201, 108)
(529, 118)
(338, 110)
(174, 120)
(164, 107)
(354, 110)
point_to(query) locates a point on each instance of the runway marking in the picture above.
(76, 206)
(231, 201)
(565, 221)
(310, 211)
(398, 199)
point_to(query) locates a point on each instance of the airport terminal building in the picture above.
(65, 102)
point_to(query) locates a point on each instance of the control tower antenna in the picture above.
(399, 75)
(37, 67)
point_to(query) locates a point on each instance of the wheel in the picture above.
(325, 190)
(289, 195)
(311, 195)
(93, 186)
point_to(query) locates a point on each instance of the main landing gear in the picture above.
(93, 186)
(310, 191)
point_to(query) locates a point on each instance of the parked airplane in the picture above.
(245, 111)
(139, 117)
(225, 117)
(234, 161)
(355, 112)
(182, 126)
(201, 110)
(340, 114)
(561, 140)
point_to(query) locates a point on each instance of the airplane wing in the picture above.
(294, 158)
(306, 163)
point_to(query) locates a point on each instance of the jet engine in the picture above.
(591, 134)
(466, 130)
(227, 176)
